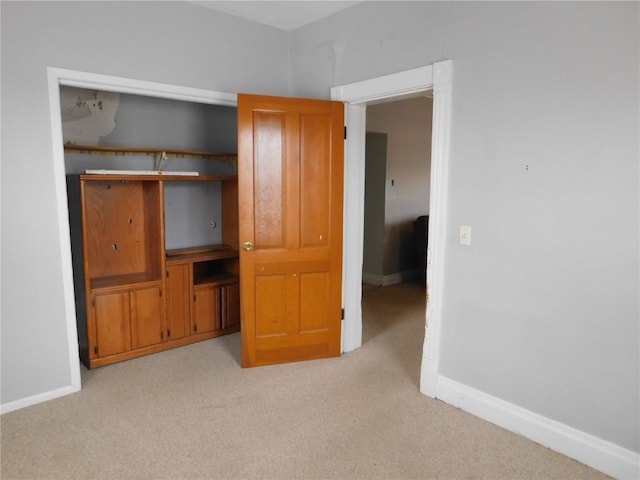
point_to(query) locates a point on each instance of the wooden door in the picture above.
(146, 317)
(112, 326)
(230, 305)
(290, 182)
(206, 308)
(178, 301)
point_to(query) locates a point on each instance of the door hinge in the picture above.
(95, 350)
(168, 333)
(161, 335)
(342, 314)
(167, 273)
(93, 302)
(195, 328)
(345, 132)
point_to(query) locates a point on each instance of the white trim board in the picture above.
(588, 449)
(39, 398)
(415, 82)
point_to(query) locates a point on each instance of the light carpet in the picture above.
(194, 413)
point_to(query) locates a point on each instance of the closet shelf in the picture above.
(169, 152)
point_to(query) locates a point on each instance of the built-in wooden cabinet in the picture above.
(204, 275)
(134, 297)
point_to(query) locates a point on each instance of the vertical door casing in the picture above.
(290, 179)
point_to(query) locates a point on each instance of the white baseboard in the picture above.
(586, 448)
(386, 280)
(41, 397)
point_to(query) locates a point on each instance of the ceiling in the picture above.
(286, 15)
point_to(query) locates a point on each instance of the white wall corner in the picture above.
(595, 452)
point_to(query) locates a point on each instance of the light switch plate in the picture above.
(464, 237)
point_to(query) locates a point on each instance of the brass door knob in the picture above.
(247, 246)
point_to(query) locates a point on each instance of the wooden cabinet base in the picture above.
(140, 352)
(135, 297)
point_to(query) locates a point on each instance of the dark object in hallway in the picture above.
(421, 233)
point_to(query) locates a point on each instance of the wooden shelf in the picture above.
(222, 278)
(200, 254)
(165, 176)
(118, 282)
(170, 152)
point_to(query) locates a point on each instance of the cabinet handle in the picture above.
(247, 246)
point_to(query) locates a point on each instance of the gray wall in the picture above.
(408, 171)
(167, 42)
(375, 179)
(139, 121)
(192, 210)
(542, 309)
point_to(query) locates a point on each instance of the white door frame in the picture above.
(436, 77)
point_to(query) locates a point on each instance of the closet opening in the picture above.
(156, 263)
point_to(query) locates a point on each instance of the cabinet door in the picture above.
(206, 309)
(178, 301)
(111, 316)
(146, 317)
(230, 305)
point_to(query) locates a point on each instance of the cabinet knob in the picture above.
(247, 246)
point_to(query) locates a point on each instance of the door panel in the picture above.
(206, 311)
(178, 301)
(230, 297)
(112, 324)
(314, 293)
(269, 175)
(146, 317)
(290, 179)
(270, 297)
(315, 177)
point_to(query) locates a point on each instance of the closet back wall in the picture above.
(193, 211)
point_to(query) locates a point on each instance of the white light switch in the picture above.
(464, 237)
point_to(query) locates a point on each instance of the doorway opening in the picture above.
(357, 96)
(58, 78)
(396, 209)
